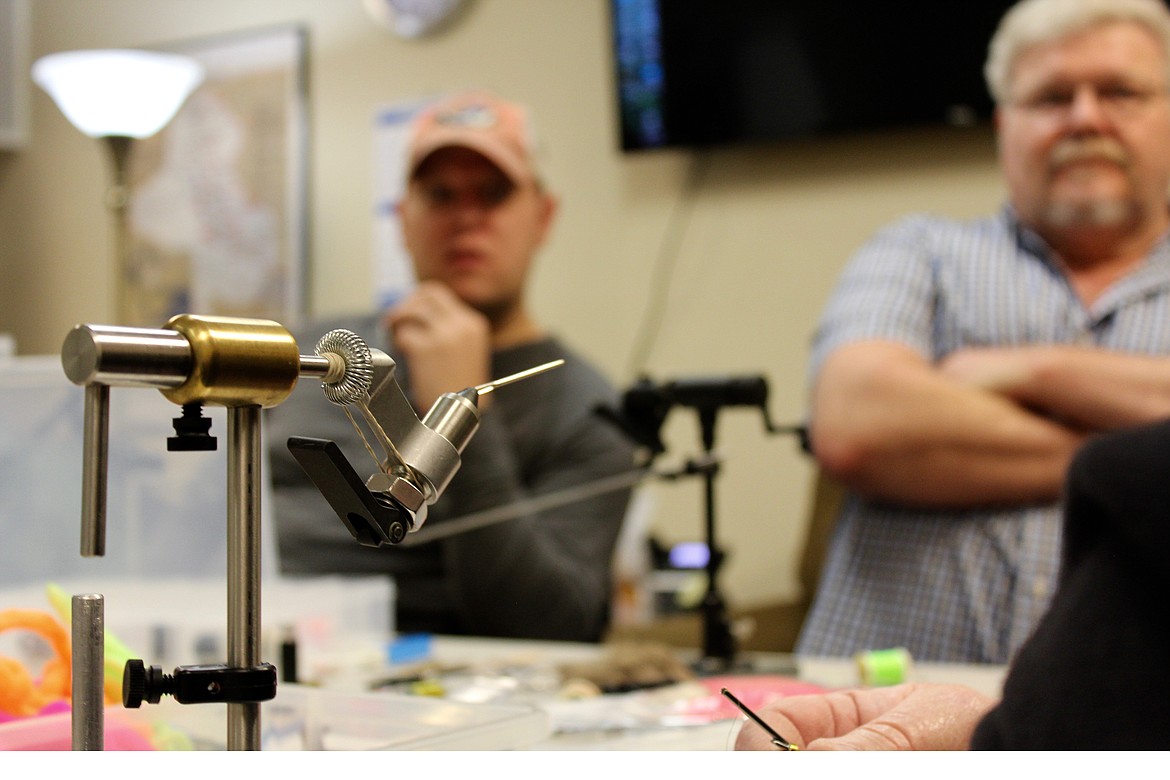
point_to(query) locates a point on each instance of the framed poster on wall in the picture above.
(216, 211)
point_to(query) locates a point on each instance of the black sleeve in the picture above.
(1095, 675)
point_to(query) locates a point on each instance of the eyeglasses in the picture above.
(1116, 100)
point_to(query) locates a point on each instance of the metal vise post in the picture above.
(241, 364)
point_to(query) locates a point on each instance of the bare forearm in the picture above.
(1092, 388)
(892, 427)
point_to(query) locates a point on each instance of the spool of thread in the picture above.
(884, 667)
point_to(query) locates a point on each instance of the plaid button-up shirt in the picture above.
(966, 585)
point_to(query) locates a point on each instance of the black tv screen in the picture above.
(714, 72)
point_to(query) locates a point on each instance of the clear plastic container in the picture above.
(302, 718)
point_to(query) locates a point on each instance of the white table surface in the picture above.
(542, 658)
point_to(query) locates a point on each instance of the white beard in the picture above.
(1113, 212)
(1101, 212)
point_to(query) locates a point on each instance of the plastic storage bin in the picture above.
(302, 718)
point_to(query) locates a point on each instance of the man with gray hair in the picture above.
(960, 364)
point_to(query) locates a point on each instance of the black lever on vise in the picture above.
(373, 519)
(197, 684)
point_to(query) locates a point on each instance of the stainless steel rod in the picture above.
(525, 506)
(152, 357)
(243, 574)
(134, 357)
(94, 466)
(88, 661)
(328, 367)
(488, 387)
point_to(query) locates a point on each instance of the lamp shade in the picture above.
(117, 92)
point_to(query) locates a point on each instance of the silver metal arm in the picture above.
(416, 458)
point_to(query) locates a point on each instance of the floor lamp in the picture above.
(118, 95)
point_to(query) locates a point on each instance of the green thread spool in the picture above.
(884, 667)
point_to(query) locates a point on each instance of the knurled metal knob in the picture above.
(140, 683)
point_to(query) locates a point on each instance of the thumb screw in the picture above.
(141, 683)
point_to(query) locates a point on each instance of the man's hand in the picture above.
(446, 343)
(903, 717)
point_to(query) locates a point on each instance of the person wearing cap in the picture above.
(474, 215)
(959, 364)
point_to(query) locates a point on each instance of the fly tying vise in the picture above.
(247, 365)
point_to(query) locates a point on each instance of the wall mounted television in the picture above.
(720, 72)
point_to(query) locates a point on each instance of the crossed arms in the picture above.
(982, 427)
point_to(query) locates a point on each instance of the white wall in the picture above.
(763, 238)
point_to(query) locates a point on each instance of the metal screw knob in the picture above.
(141, 683)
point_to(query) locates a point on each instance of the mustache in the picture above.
(1072, 150)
